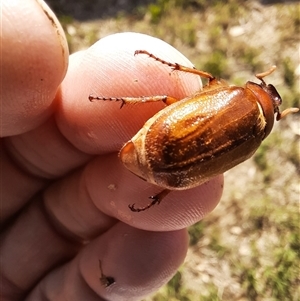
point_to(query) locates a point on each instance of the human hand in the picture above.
(65, 193)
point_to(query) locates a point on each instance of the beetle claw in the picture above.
(106, 281)
(122, 103)
(156, 199)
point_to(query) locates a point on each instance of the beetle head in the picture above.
(274, 95)
(270, 104)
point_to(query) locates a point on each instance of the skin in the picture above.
(64, 191)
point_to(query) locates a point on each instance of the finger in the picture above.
(17, 186)
(33, 63)
(138, 261)
(88, 202)
(112, 188)
(109, 68)
(33, 159)
(33, 162)
(31, 246)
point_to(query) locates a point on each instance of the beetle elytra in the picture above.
(196, 138)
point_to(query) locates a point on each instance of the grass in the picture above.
(248, 248)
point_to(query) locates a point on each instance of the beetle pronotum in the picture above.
(217, 128)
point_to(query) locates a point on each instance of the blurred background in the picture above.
(248, 248)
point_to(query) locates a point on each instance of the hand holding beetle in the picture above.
(65, 193)
(202, 135)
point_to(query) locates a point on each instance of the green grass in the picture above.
(274, 269)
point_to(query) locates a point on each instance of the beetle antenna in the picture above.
(286, 112)
(260, 76)
(122, 99)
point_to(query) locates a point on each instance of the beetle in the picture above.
(194, 139)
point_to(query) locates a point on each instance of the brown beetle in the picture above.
(203, 135)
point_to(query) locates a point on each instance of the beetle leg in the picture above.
(156, 199)
(125, 100)
(106, 281)
(176, 66)
(95, 97)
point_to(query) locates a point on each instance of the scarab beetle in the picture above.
(203, 135)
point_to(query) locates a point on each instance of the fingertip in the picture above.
(34, 61)
(139, 262)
